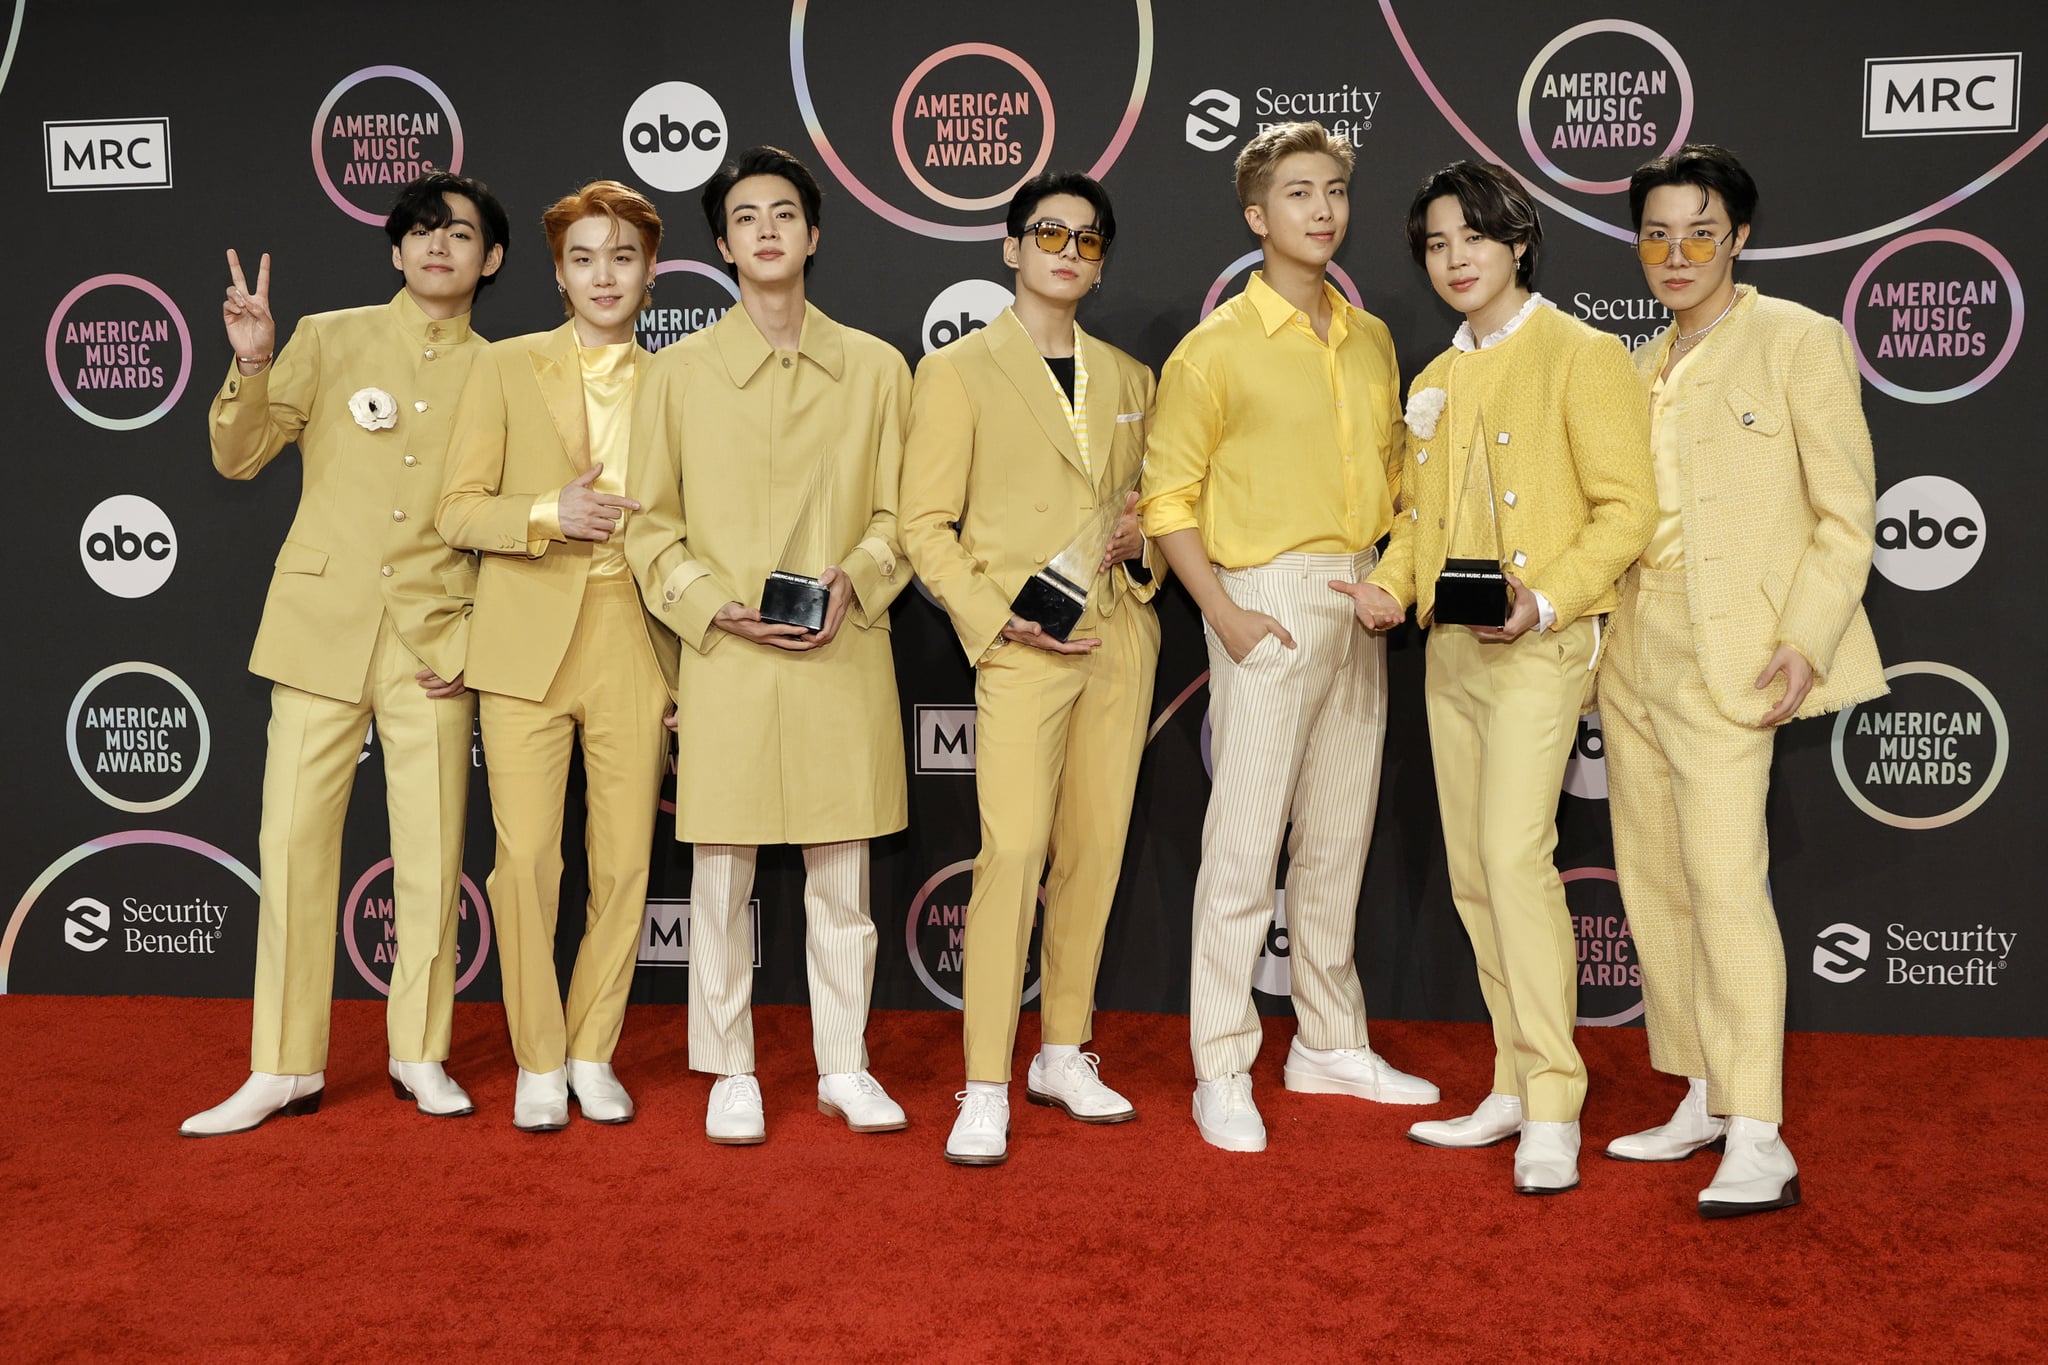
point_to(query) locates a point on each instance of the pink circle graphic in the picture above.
(709, 272)
(1633, 1012)
(57, 374)
(1215, 294)
(1532, 145)
(355, 952)
(909, 162)
(350, 82)
(2012, 334)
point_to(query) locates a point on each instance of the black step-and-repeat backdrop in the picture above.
(1901, 194)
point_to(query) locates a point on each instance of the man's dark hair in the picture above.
(1704, 166)
(1043, 186)
(1494, 203)
(762, 160)
(423, 204)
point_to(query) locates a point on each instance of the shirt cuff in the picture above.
(1546, 615)
(544, 522)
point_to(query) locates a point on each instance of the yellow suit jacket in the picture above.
(1777, 503)
(520, 435)
(1574, 492)
(990, 453)
(741, 451)
(362, 545)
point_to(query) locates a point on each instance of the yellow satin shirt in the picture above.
(1667, 542)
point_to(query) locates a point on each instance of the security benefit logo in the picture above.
(1926, 755)
(137, 736)
(674, 136)
(138, 912)
(380, 128)
(1610, 976)
(1926, 96)
(665, 933)
(111, 154)
(1600, 99)
(691, 297)
(1935, 315)
(1217, 119)
(1916, 954)
(369, 935)
(1930, 532)
(935, 934)
(118, 352)
(128, 546)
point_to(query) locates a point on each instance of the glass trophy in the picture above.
(790, 596)
(1057, 594)
(1471, 590)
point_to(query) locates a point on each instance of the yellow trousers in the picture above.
(1502, 720)
(1686, 788)
(309, 769)
(1057, 741)
(610, 691)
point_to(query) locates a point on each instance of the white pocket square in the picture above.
(1130, 417)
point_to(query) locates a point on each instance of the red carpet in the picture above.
(369, 1232)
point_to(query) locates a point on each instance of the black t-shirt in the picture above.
(1062, 368)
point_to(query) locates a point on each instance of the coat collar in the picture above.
(559, 373)
(1660, 346)
(1017, 356)
(744, 350)
(1274, 310)
(424, 330)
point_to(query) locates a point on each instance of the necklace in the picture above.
(1687, 340)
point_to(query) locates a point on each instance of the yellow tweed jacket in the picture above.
(1575, 495)
(1777, 504)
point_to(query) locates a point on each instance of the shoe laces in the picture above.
(1081, 1068)
(864, 1084)
(981, 1109)
(1235, 1090)
(739, 1089)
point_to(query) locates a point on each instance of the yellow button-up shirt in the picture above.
(1667, 542)
(1269, 439)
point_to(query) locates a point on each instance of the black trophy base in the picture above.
(1471, 592)
(790, 599)
(1052, 601)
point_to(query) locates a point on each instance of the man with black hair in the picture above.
(366, 621)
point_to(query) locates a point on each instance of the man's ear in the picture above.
(1255, 218)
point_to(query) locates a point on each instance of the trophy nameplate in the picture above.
(1471, 590)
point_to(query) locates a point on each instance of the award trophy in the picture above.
(790, 597)
(1057, 594)
(1471, 590)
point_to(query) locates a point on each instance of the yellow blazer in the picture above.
(729, 434)
(362, 545)
(1575, 494)
(990, 452)
(1777, 503)
(520, 435)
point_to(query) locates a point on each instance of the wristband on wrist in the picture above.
(263, 359)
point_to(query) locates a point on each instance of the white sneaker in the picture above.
(734, 1118)
(981, 1135)
(261, 1098)
(540, 1101)
(859, 1099)
(598, 1092)
(1353, 1071)
(1690, 1128)
(1073, 1084)
(1757, 1173)
(1498, 1118)
(1547, 1158)
(430, 1087)
(1226, 1116)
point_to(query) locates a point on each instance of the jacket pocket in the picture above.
(459, 583)
(293, 557)
(1753, 414)
(1774, 590)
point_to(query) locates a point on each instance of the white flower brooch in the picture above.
(1425, 408)
(373, 409)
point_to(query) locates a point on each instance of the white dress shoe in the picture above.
(1547, 1158)
(1690, 1128)
(981, 1135)
(598, 1092)
(734, 1117)
(1353, 1071)
(859, 1099)
(1757, 1173)
(263, 1096)
(1498, 1118)
(428, 1085)
(1072, 1084)
(1226, 1116)
(540, 1101)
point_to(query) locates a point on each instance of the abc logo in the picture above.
(1930, 532)
(1585, 772)
(128, 546)
(675, 136)
(1212, 120)
(86, 922)
(1841, 952)
(1273, 973)
(961, 308)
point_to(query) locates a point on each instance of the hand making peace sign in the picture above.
(251, 329)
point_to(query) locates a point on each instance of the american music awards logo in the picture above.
(935, 933)
(693, 296)
(379, 129)
(1600, 99)
(1934, 315)
(118, 352)
(370, 930)
(1928, 753)
(137, 737)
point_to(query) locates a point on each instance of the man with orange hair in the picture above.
(560, 646)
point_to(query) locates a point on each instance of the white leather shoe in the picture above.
(540, 1101)
(428, 1085)
(1353, 1071)
(734, 1117)
(1547, 1158)
(598, 1092)
(981, 1135)
(1226, 1116)
(1757, 1173)
(262, 1097)
(1073, 1084)
(1498, 1118)
(1690, 1128)
(859, 1099)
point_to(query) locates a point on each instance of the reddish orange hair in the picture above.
(607, 198)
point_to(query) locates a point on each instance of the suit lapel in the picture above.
(560, 377)
(1020, 362)
(1105, 399)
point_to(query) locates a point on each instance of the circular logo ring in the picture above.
(355, 951)
(1215, 294)
(1534, 147)
(2012, 331)
(350, 82)
(1633, 1012)
(57, 373)
(909, 163)
(917, 905)
(78, 763)
(1983, 793)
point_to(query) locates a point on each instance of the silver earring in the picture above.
(559, 290)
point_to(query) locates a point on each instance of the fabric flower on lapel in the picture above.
(1425, 407)
(373, 409)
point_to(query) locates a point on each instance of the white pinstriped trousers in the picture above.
(1295, 739)
(839, 952)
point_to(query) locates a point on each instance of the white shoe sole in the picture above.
(1124, 1115)
(1225, 1142)
(832, 1110)
(1308, 1083)
(739, 1140)
(1710, 1145)
(1461, 1145)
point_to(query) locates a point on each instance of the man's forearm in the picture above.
(1189, 560)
